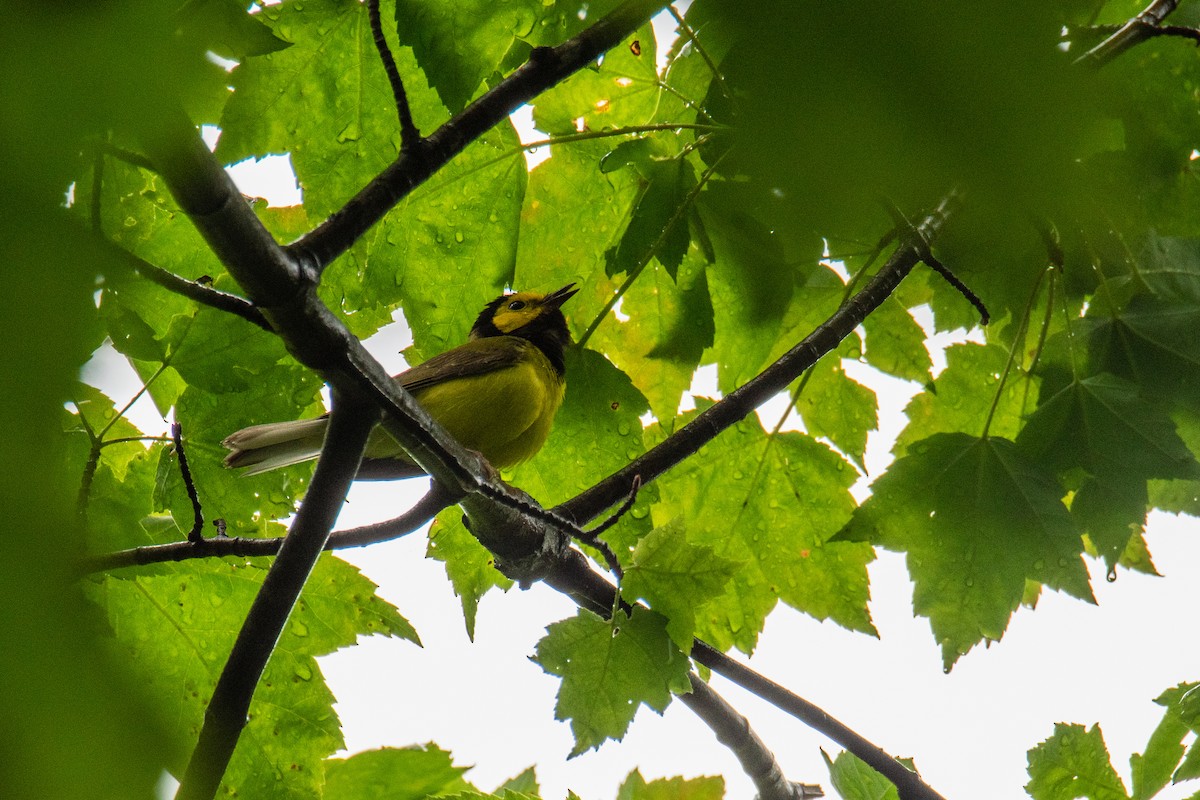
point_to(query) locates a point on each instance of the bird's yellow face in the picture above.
(518, 310)
(527, 314)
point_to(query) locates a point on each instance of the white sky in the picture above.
(968, 731)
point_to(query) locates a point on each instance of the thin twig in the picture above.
(128, 156)
(591, 536)
(410, 137)
(127, 439)
(1150, 30)
(89, 468)
(349, 426)
(222, 546)
(963, 289)
(193, 290)
(1134, 32)
(690, 35)
(196, 534)
(95, 206)
(634, 486)
(926, 254)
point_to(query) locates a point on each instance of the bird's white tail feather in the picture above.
(277, 444)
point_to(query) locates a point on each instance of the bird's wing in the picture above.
(476, 357)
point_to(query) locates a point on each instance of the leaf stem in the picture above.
(690, 35)
(1042, 334)
(646, 257)
(1014, 349)
(430, 191)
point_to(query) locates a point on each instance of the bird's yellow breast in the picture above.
(504, 414)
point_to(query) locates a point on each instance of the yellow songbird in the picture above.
(497, 393)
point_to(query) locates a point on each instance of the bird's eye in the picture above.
(516, 305)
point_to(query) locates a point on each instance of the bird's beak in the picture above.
(557, 298)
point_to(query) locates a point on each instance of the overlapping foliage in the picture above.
(726, 193)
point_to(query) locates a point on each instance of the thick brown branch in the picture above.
(349, 425)
(545, 67)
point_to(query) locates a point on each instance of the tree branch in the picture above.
(774, 379)
(522, 534)
(222, 547)
(409, 135)
(349, 425)
(1132, 33)
(193, 290)
(734, 732)
(545, 68)
(574, 577)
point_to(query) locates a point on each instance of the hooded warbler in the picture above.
(497, 393)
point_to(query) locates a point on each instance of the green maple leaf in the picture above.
(676, 578)
(177, 627)
(770, 504)
(458, 45)
(977, 520)
(389, 773)
(622, 91)
(469, 565)
(635, 787)
(670, 323)
(895, 343)
(1073, 763)
(609, 669)
(1150, 341)
(1154, 768)
(1103, 425)
(962, 397)
(854, 780)
(835, 406)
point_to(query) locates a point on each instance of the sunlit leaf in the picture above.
(635, 787)
(1073, 763)
(411, 773)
